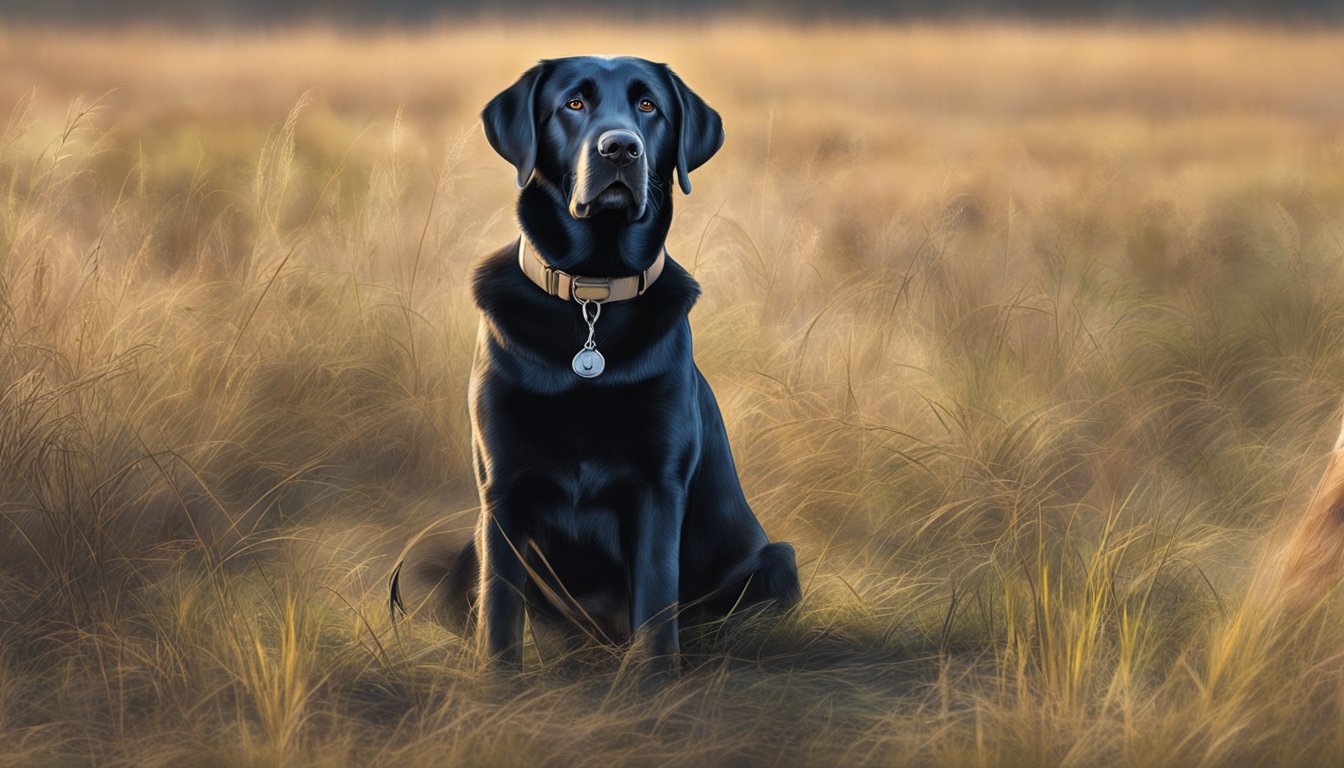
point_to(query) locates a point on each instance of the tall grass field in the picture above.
(1030, 339)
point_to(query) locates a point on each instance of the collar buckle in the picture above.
(590, 288)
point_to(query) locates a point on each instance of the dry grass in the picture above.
(1031, 340)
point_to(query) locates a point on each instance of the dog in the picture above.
(610, 504)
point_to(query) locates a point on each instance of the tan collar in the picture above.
(579, 288)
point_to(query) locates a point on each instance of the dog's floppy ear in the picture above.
(699, 130)
(511, 121)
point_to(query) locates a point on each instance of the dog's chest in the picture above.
(592, 502)
(590, 457)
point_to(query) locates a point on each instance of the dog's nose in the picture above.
(621, 147)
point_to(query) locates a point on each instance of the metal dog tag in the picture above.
(589, 363)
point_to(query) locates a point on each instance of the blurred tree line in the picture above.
(359, 12)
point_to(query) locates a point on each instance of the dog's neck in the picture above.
(604, 246)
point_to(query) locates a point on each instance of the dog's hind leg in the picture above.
(775, 580)
(440, 580)
(769, 579)
(728, 560)
(456, 608)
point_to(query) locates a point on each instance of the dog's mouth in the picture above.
(623, 192)
(617, 196)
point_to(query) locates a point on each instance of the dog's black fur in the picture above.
(608, 505)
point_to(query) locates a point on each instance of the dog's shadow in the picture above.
(744, 643)
(793, 643)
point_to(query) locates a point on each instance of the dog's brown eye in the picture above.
(645, 105)
(575, 104)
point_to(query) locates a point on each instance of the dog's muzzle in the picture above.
(611, 175)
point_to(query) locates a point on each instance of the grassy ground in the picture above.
(1031, 340)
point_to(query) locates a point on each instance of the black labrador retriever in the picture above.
(609, 500)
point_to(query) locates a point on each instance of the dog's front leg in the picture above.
(654, 546)
(500, 543)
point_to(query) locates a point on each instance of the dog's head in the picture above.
(603, 131)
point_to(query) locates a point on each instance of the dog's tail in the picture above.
(435, 576)
(395, 607)
(441, 581)
(1313, 559)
